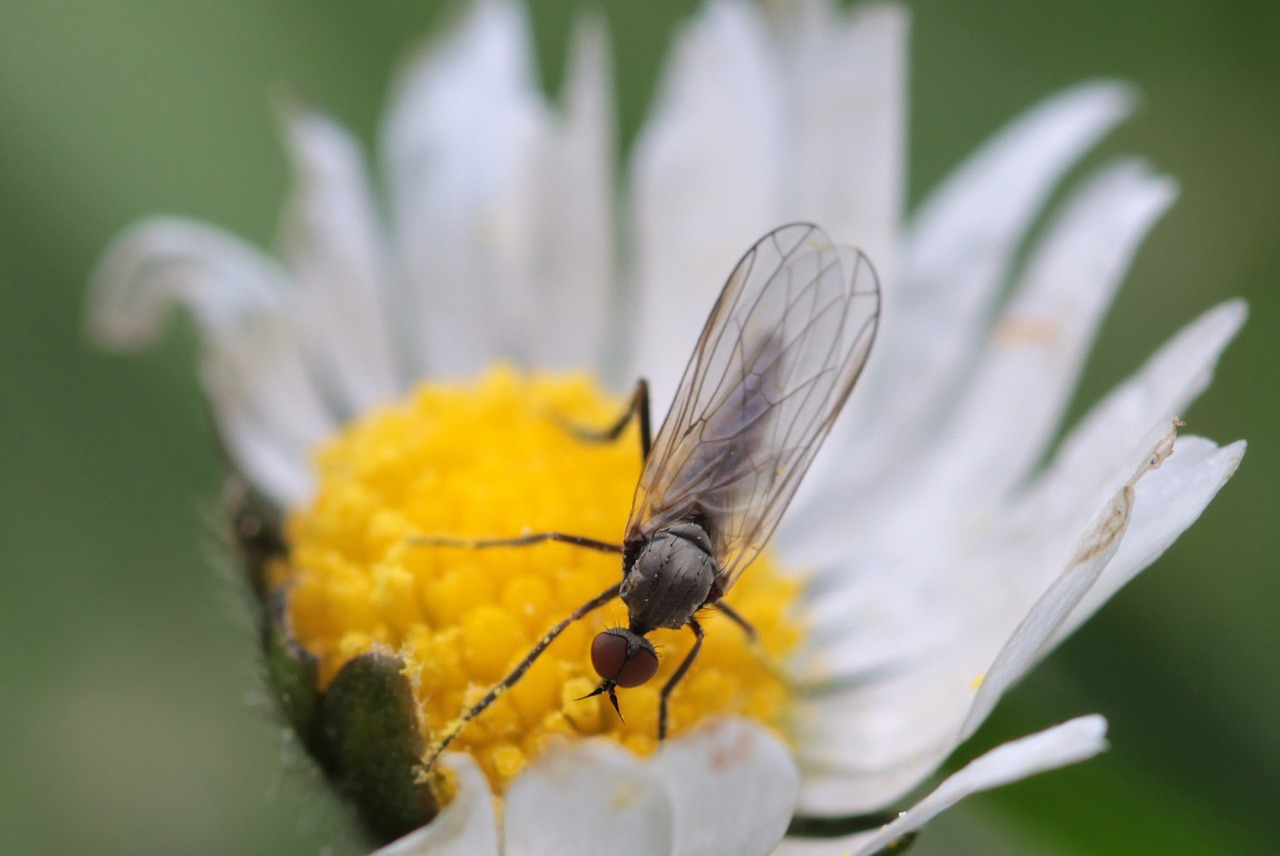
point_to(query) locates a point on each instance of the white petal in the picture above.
(1073, 741)
(334, 244)
(1038, 347)
(847, 86)
(466, 827)
(583, 798)
(265, 398)
(1168, 501)
(704, 181)
(1090, 463)
(964, 236)
(920, 655)
(732, 787)
(846, 77)
(276, 463)
(158, 263)
(959, 251)
(461, 139)
(864, 748)
(572, 253)
(1032, 639)
(504, 210)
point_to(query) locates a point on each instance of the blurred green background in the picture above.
(130, 719)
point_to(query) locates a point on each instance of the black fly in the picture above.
(776, 361)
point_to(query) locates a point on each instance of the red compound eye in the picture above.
(610, 657)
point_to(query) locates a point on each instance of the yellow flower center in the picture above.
(494, 459)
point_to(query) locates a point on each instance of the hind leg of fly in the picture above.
(736, 617)
(753, 639)
(637, 408)
(679, 673)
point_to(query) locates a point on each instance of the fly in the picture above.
(775, 363)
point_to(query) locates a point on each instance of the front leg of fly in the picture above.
(675, 678)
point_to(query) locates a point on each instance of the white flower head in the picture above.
(945, 547)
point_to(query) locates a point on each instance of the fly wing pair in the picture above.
(776, 361)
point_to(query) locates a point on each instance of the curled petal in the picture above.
(160, 263)
(269, 408)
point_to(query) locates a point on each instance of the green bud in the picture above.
(291, 673)
(371, 749)
(362, 730)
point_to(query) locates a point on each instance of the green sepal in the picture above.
(257, 531)
(369, 745)
(292, 673)
(363, 730)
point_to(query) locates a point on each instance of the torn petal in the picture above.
(1030, 641)
(1168, 501)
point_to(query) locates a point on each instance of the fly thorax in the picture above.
(670, 578)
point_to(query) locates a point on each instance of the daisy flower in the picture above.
(408, 364)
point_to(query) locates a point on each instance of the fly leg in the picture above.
(736, 617)
(638, 407)
(675, 678)
(520, 541)
(753, 639)
(453, 729)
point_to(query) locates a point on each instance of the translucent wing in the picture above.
(775, 363)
